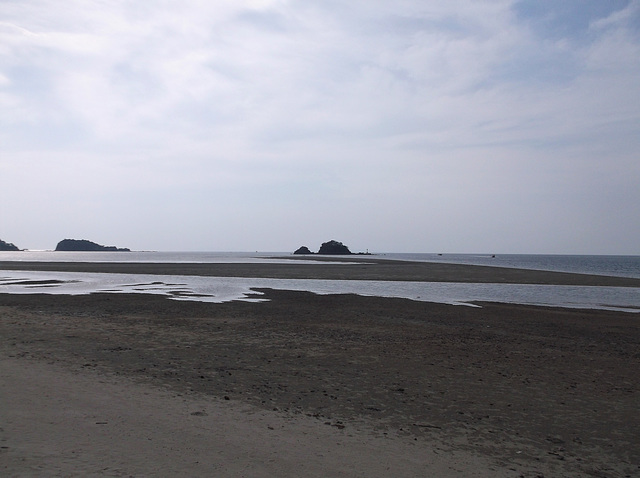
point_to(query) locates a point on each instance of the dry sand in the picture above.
(60, 423)
(135, 385)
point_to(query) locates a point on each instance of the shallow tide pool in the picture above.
(224, 289)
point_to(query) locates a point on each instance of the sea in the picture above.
(222, 289)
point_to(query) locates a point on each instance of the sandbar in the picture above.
(330, 268)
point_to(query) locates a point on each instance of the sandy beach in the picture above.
(336, 385)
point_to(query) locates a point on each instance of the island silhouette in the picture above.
(332, 248)
(8, 246)
(77, 245)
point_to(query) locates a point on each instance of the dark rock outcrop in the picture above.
(334, 248)
(7, 246)
(303, 250)
(84, 245)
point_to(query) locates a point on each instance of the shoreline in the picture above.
(353, 269)
(526, 390)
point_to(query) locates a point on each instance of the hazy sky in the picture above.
(400, 126)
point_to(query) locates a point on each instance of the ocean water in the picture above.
(145, 256)
(623, 266)
(216, 289)
(620, 266)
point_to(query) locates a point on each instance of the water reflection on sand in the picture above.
(224, 289)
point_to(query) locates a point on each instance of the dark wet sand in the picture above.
(538, 391)
(352, 268)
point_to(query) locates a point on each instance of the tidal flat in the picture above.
(326, 385)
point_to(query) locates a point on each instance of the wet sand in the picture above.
(337, 385)
(336, 268)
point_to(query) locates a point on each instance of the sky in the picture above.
(494, 126)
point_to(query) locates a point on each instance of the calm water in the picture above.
(215, 289)
(624, 266)
(153, 257)
(222, 289)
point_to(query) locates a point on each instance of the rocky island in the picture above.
(7, 246)
(303, 250)
(84, 245)
(333, 248)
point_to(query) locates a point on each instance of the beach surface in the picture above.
(336, 268)
(305, 384)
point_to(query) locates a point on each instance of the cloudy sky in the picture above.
(407, 126)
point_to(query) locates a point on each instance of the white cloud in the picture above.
(454, 112)
(618, 17)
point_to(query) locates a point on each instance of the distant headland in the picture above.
(7, 246)
(84, 245)
(333, 248)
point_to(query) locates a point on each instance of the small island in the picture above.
(303, 250)
(332, 248)
(77, 245)
(8, 246)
